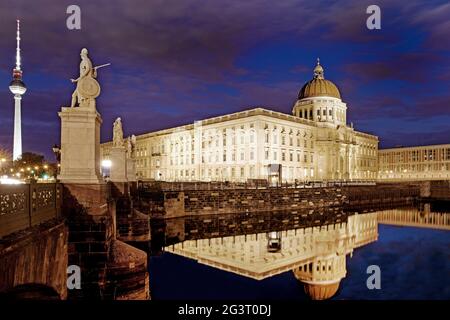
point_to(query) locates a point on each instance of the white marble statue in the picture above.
(87, 87)
(131, 143)
(117, 133)
(129, 148)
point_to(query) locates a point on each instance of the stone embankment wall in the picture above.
(381, 196)
(439, 190)
(167, 204)
(197, 202)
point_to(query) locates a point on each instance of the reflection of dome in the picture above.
(319, 86)
(321, 291)
(322, 276)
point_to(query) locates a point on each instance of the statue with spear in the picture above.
(87, 87)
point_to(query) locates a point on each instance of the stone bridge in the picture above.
(46, 227)
(33, 242)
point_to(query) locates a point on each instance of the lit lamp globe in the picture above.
(106, 163)
(106, 168)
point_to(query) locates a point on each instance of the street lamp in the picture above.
(106, 163)
(106, 168)
(57, 151)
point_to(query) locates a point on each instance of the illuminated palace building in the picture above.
(314, 143)
(415, 163)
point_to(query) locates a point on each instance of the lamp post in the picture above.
(57, 151)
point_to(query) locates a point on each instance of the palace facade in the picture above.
(415, 163)
(314, 143)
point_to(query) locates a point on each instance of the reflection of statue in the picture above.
(87, 87)
(117, 133)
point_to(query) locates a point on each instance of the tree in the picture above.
(32, 165)
(5, 154)
(30, 158)
(5, 160)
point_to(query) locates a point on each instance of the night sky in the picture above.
(174, 62)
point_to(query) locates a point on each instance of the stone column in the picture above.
(118, 164)
(131, 169)
(80, 145)
(334, 115)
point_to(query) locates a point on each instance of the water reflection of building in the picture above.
(414, 217)
(316, 255)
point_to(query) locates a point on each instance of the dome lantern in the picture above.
(318, 70)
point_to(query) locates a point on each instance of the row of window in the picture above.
(321, 114)
(366, 162)
(415, 168)
(417, 156)
(237, 172)
(213, 138)
(176, 147)
(285, 141)
(285, 156)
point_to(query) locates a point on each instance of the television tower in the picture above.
(18, 88)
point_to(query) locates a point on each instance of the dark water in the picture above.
(414, 263)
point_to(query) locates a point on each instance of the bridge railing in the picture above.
(151, 185)
(440, 189)
(26, 205)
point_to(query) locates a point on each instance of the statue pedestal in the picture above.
(80, 145)
(118, 171)
(131, 170)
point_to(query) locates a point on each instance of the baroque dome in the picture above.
(319, 86)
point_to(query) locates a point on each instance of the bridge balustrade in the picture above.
(27, 205)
